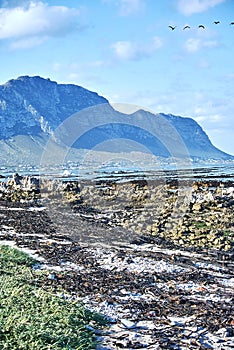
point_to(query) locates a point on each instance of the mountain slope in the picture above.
(30, 105)
(195, 139)
(33, 108)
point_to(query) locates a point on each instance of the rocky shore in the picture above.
(195, 214)
(155, 257)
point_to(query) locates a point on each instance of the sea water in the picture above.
(127, 171)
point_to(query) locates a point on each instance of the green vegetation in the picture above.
(34, 319)
(199, 224)
(227, 233)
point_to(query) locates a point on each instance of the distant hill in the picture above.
(33, 108)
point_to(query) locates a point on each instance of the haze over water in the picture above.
(125, 171)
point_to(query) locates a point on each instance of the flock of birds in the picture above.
(200, 26)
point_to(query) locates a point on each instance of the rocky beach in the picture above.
(154, 256)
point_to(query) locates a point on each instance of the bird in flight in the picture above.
(216, 22)
(172, 28)
(232, 23)
(201, 26)
(186, 27)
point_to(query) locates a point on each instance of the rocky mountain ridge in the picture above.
(33, 108)
(31, 105)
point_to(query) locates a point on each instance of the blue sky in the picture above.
(125, 51)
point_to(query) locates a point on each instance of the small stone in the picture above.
(51, 276)
(197, 207)
(128, 324)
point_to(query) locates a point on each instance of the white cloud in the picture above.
(77, 66)
(230, 76)
(127, 7)
(82, 73)
(209, 118)
(15, 3)
(194, 44)
(27, 43)
(204, 64)
(129, 50)
(36, 19)
(189, 7)
(124, 50)
(210, 44)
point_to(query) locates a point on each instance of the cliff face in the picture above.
(31, 105)
(196, 140)
(31, 108)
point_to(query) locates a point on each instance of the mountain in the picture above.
(31, 105)
(34, 110)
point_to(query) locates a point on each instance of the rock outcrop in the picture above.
(200, 216)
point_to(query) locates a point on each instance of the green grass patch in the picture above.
(227, 233)
(199, 224)
(33, 318)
